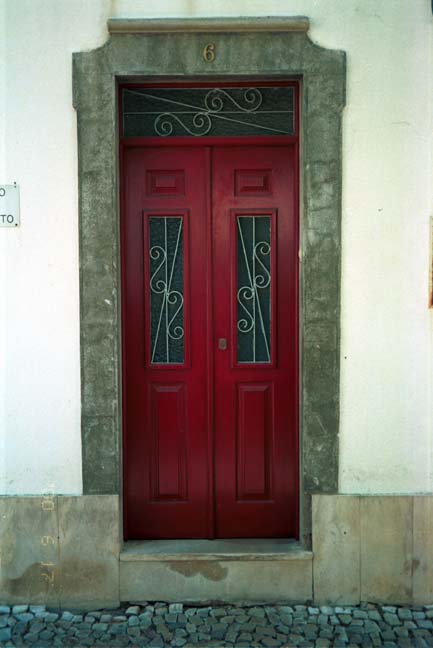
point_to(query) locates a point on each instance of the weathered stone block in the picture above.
(386, 549)
(321, 335)
(323, 220)
(89, 551)
(29, 550)
(320, 466)
(98, 369)
(423, 549)
(100, 455)
(226, 580)
(336, 547)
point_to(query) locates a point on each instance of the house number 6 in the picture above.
(209, 53)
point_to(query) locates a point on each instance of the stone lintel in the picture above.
(224, 24)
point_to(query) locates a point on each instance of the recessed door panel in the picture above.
(254, 441)
(168, 479)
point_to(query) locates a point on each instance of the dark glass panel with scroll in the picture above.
(253, 290)
(166, 290)
(215, 112)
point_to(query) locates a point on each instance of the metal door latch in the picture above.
(222, 344)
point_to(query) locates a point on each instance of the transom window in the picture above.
(212, 111)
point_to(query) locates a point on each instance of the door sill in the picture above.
(196, 571)
(227, 549)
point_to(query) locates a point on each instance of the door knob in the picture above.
(222, 344)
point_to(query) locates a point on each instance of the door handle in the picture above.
(222, 344)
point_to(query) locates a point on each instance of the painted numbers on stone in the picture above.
(209, 53)
(9, 205)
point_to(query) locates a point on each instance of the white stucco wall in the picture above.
(386, 385)
(41, 428)
(2, 242)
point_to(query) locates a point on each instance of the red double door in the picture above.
(209, 250)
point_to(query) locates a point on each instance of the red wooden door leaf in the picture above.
(255, 296)
(165, 360)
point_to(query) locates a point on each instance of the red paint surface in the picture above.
(166, 458)
(210, 447)
(255, 404)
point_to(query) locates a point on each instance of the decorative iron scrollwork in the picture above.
(166, 301)
(253, 292)
(199, 112)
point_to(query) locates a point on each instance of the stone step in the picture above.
(215, 570)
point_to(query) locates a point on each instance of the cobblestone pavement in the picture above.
(157, 625)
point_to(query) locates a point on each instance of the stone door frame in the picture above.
(172, 49)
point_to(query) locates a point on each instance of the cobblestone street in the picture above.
(157, 625)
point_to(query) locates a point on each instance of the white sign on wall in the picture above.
(9, 205)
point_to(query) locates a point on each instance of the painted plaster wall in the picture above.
(41, 390)
(2, 242)
(386, 327)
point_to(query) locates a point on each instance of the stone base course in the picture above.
(157, 624)
(373, 548)
(66, 552)
(60, 550)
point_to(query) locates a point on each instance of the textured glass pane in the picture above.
(166, 290)
(208, 111)
(254, 288)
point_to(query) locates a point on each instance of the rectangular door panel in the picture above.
(255, 244)
(168, 476)
(254, 441)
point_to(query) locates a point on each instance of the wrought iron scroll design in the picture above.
(166, 286)
(197, 111)
(254, 296)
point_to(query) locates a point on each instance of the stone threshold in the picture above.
(221, 550)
